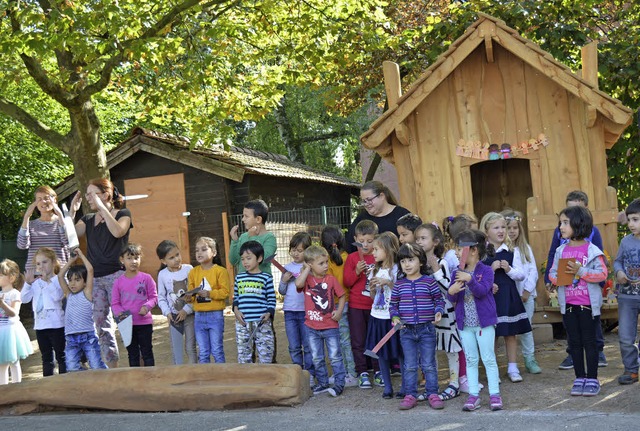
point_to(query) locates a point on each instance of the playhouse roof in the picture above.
(232, 164)
(488, 29)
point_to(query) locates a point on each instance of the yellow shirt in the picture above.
(215, 279)
(338, 272)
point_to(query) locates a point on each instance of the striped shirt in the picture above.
(254, 295)
(416, 301)
(43, 234)
(78, 316)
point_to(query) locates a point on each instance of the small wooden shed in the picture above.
(497, 122)
(181, 194)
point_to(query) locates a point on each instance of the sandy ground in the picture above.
(547, 391)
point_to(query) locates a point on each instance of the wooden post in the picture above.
(590, 63)
(227, 245)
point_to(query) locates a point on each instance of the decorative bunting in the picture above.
(487, 151)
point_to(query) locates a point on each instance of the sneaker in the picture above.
(318, 389)
(602, 360)
(350, 381)
(395, 370)
(399, 395)
(496, 402)
(387, 395)
(515, 377)
(591, 387)
(473, 403)
(364, 382)
(377, 379)
(335, 391)
(423, 396)
(567, 364)
(531, 365)
(435, 402)
(408, 402)
(628, 378)
(578, 387)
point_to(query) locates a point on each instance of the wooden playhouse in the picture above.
(497, 122)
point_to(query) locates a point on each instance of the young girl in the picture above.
(293, 306)
(512, 317)
(430, 239)
(14, 340)
(135, 292)
(451, 228)
(172, 284)
(209, 302)
(46, 298)
(79, 331)
(417, 303)
(580, 301)
(526, 288)
(333, 241)
(471, 295)
(383, 276)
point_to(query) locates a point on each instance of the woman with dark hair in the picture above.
(45, 231)
(107, 233)
(380, 206)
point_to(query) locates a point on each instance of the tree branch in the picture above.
(32, 124)
(323, 137)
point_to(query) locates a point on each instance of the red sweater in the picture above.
(357, 283)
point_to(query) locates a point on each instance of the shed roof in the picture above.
(485, 30)
(232, 164)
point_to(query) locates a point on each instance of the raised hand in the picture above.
(30, 276)
(233, 233)
(76, 202)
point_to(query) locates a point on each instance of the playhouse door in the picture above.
(158, 216)
(501, 184)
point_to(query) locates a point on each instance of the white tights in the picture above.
(454, 368)
(16, 373)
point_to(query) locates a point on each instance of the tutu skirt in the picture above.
(377, 329)
(14, 343)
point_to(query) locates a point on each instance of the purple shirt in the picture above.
(481, 286)
(416, 301)
(133, 293)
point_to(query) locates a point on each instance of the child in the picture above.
(135, 292)
(576, 197)
(471, 294)
(254, 217)
(405, 227)
(79, 331)
(254, 303)
(627, 270)
(431, 240)
(333, 241)
(14, 340)
(322, 317)
(580, 301)
(417, 303)
(451, 227)
(512, 317)
(355, 279)
(173, 282)
(383, 276)
(526, 288)
(294, 305)
(48, 314)
(213, 280)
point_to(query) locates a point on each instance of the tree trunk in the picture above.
(293, 146)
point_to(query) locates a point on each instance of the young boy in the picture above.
(254, 303)
(627, 270)
(254, 218)
(321, 318)
(355, 279)
(575, 198)
(405, 226)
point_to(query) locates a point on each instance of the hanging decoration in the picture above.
(486, 151)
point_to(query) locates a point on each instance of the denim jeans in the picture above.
(628, 309)
(581, 334)
(317, 341)
(419, 348)
(83, 342)
(479, 343)
(345, 342)
(298, 341)
(526, 340)
(209, 331)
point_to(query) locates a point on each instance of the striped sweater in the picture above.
(254, 295)
(43, 234)
(416, 301)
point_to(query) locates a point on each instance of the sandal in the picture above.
(449, 393)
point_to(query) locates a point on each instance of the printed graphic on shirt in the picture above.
(631, 259)
(579, 289)
(179, 289)
(382, 299)
(368, 270)
(204, 285)
(322, 300)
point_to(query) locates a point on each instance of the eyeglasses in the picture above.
(369, 201)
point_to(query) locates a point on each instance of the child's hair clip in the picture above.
(436, 224)
(513, 218)
(467, 244)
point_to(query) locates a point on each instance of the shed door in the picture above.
(500, 184)
(158, 216)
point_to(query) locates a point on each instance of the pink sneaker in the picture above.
(496, 402)
(473, 403)
(408, 402)
(435, 402)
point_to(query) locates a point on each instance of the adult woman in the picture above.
(107, 232)
(45, 231)
(380, 206)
